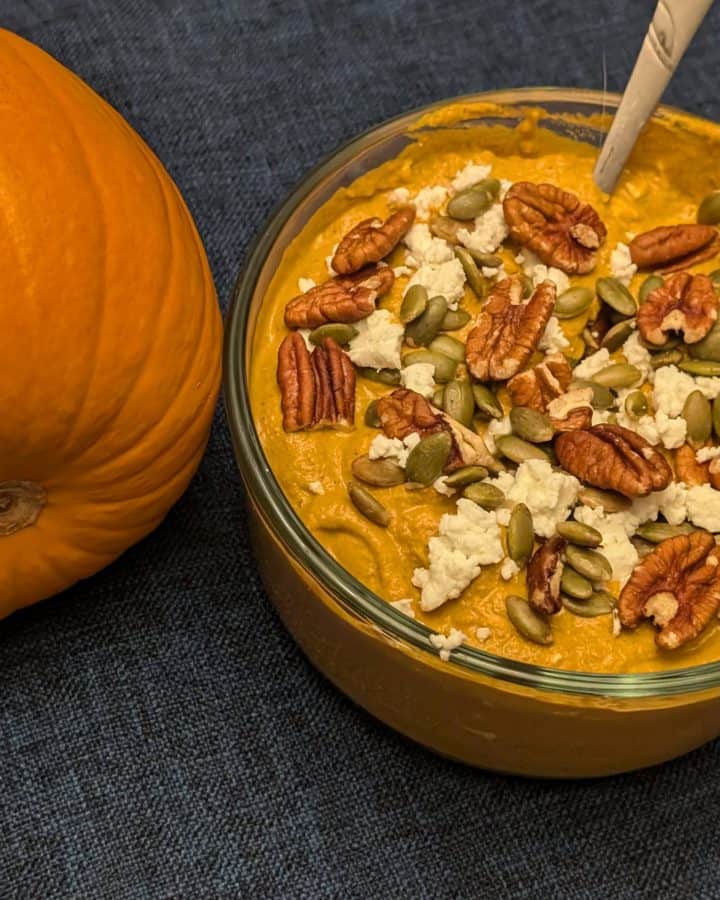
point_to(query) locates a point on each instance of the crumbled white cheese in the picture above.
(429, 199)
(424, 248)
(489, 232)
(703, 507)
(399, 197)
(470, 175)
(305, 285)
(600, 416)
(377, 342)
(466, 541)
(315, 487)
(657, 429)
(553, 339)
(405, 606)
(548, 494)
(705, 454)
(592, 364)
(401, 271)
(393, 448)
(672, 387)
(440, 485)
(447, 642)
(505, 186)
(539, 272)
(621, 264)
(496, 428)
(446, 279)
(482, 633)
(616, 623)
(670, 502)
(638, 356)
(305, 335)
(497, 272)
(616, 547)
(419, 377)
(508, 569)
(709, 386)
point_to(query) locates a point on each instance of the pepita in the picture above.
(709, 346)
(520, 534)
(528, 623)
(382, 376)
(487, 260)
(618, 375)
(709, 210)
(428, 457)
(600, 603)
(531, 425)
(450, 346)
(477, 281)
(705, 367)
(377, 472)
(528, 286)
(414, 303)
(486, 402)
(573, 302)
(615, 295)
(636, 404)
(716, 416)
(445, 367)
(657, 532)
(491, 185)
(338, 331)
(421, 331)
(469, 204)
(651, 283)
(368, 506)
(372, 420)
(518, 450)
(714, 276)
(486, 495)
(610, 501)
(580, 534)
(454, 320)
(602, 397)
(642, 546)
(446, 228)
(575, 584)
(458, 401)
(616, 336)
(698, 415)
(590, 563)
(437, 397)
(465, 476)
(590, 340)
(666, 358)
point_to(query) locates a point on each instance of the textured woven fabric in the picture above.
(160, 734)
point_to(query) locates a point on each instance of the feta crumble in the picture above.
(315, 487)
(441, 486)
(419, 377)
(670, 502)
(399, 197)
(657, 429)
(378, 341)
(553, 339)
(638, 356)
(402, 271)
(482, 634)
(703, 507)
(539, 272)
(592, 365)
(470, 175)
(424, 248)
(672, 387)
(496, 428)
(621, 264)
(305, 285)
(393, 448)
(444, 643)
(429, 199)
(489, 232)
(405, 606)
(705, 454)
(548, 494)
(305, 335)
(446, 279)
(616, 547)
(508, 569)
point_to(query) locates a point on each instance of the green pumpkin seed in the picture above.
(486, 495)
(716, 416)
(465, 476)
(714, 276)
(616, 336)
(518, 450)
(700, 367)
(446, 228)
(573, 302)
(601, 603)
(574, 584)
(636, 404)
(469, 204)
(580, 534)
(618, 375)
(382, 376)
(368, 506)
(671, 343)
(709, 210)
(602, 398)
(421, 332)
(698, 415)
(709, 346)
(427, 458)
(437, 397)
(589, 563)
(642, 546)
(527, 285)
(414, 303)
(491, 185)
(590, 340)
(445, 367)
(520, 534)
(454, 320)
(339, 332)
(615, 295)
(528, 623)
(531, 425)
(449, 346)
(651, 283)
(610, 501)
(377, 472)
(667, 358)
(477, 281)
(372, 420)
(657, 532)
(486, 402)
(458, 402)
(487, 260)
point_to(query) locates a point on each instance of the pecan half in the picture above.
(345, 299)
(613, 458)
(371, 240)
(317, 390)
(677, 585)
(686, 303)
(544, 572)
(539, 386)
(555, 224)
(571, 411)
(670, 248)
(508, 330)
(692, 472)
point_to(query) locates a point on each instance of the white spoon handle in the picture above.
(671, 30)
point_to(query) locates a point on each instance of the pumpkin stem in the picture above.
(21, 502)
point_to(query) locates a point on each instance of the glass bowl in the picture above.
(477, 707)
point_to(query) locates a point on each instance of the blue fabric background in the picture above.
(160, 734)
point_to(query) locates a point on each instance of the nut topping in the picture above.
(317, 389)
(686, 303)
(670, 248)
(371, 240)
(544, 573)
(539, 386)
(555, 224)
(508, 330)
(346, 299)
(693, 473)
(571, 411)
(678, 586)
(613, 458)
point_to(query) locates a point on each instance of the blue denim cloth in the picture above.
(160, 734)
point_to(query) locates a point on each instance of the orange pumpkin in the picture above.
(110, 333)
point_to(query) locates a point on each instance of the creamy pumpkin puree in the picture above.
(669, 173)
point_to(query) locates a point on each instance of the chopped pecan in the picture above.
(539, 386)
(677, 585)
(544, 572)
(555, 224)
(371, 240)
(571, 411)
(692, 472)
(686, 303)
(508, 330)
(345, 299)
(613, 458)
(317, 390)
(670, 248)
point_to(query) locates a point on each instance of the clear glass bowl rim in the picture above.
(298, 540)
